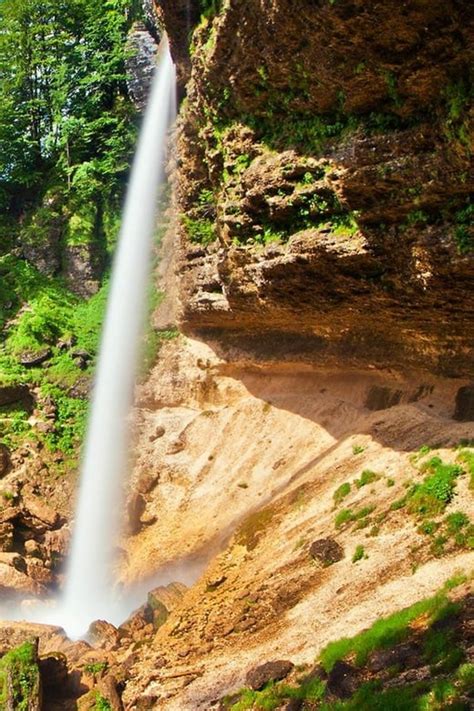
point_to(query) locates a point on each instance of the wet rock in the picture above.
(33, 360)
(343, 680)
(141, 62)
(270, 671)
(103, 635)
(327, 551)
(464, 409)
(5, 460)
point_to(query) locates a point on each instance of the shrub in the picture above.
(367, 477)
(436, 491)
(359, 553)
(341, 493)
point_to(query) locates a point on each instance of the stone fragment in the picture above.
(270, 671)
(327, 551)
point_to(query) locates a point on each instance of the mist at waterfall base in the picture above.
(90, 592)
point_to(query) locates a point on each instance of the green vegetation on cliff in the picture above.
(20, 679)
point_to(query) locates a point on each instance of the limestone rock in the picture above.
(270, 671)
(327, 551)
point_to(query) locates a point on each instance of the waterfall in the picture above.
(89, 588)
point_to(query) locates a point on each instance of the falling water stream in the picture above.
(89, 588)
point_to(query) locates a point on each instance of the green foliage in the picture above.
(359, 554)
(367, 477)
(19, 677)
(95, 668)
(349, 516)
(209, 8)
(357, 449)
(341, 493)
(200, 231)
(274, 695)
(64, 109)
(466, 456)
(102, 704)
(388, 631)
(436, 491)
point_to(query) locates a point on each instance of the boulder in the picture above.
(343, 680)
(104, 635)
(327, 551)
(33, 360)
(37, 514)
(270, 671)
(5, 461)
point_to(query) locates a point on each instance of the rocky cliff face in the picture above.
(324, 180)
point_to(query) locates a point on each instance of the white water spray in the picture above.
(89, 589)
